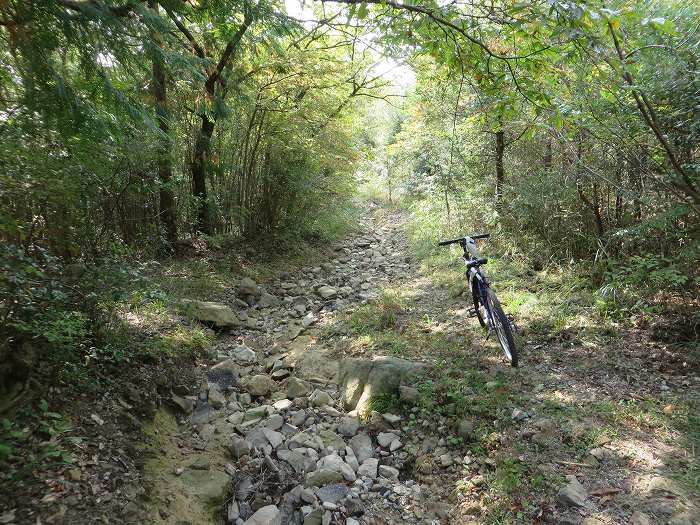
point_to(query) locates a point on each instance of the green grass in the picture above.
(194, 279)
(380, 315)
(547, 303)
(386, 403)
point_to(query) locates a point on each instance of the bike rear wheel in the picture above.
(502, 327)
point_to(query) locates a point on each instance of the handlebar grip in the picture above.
(463, 239)
(451, 241)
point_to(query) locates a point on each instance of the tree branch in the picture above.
(231, 47)
(442, 22)
(650, 117)
(195, 45)
(81, 6)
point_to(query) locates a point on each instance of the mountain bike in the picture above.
(486, 306)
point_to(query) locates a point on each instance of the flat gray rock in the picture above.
(385, 438)
(361, 445)
(268, 515)
(573, 494)
(243, 354)
(216, 314)
(349, 426)
(368, 468)
(333, 493)
(321, 477)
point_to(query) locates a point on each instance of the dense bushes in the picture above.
(593, 162)
(113, 134)
(118, 144)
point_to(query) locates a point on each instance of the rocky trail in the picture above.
(289, 424)
(272, 437)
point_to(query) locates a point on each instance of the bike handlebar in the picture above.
(463, 239)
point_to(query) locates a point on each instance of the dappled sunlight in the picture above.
(234, 211)
(558, 396)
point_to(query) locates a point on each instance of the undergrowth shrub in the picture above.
(59, 318)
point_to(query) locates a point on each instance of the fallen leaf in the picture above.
(97, 419)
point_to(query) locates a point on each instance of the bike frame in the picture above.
(476, 278)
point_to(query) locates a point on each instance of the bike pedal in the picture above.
(473, 313)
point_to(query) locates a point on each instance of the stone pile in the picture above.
(299, 452)
(287, 306)
(303, 459)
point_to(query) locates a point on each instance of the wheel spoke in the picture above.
(500, 331)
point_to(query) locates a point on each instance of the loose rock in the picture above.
(259, 385)
(269, 515)
(297, 388)
(572, 494)
(361, 445)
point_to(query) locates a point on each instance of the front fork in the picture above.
(476, 279)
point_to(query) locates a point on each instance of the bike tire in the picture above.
(503, 329)
(477, 303)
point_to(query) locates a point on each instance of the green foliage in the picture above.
(631, 284)
(27, 285)
(41, 441)
(70, 318)
(585, 176)
(385, 403)
(510, 476)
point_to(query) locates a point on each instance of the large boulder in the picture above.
(248, 286)
(211, 486)
(311, 361)
(216, 314)
(362, 379)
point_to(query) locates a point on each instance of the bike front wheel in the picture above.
(502, 327)
(478, 307)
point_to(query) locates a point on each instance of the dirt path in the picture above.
(276, 435)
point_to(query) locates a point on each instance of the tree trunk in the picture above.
(500, 175)
(619, 196)
(165, 171)
(199, 185)
(635, 173)
(547, 160)
(200, 157)
(591, 205)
